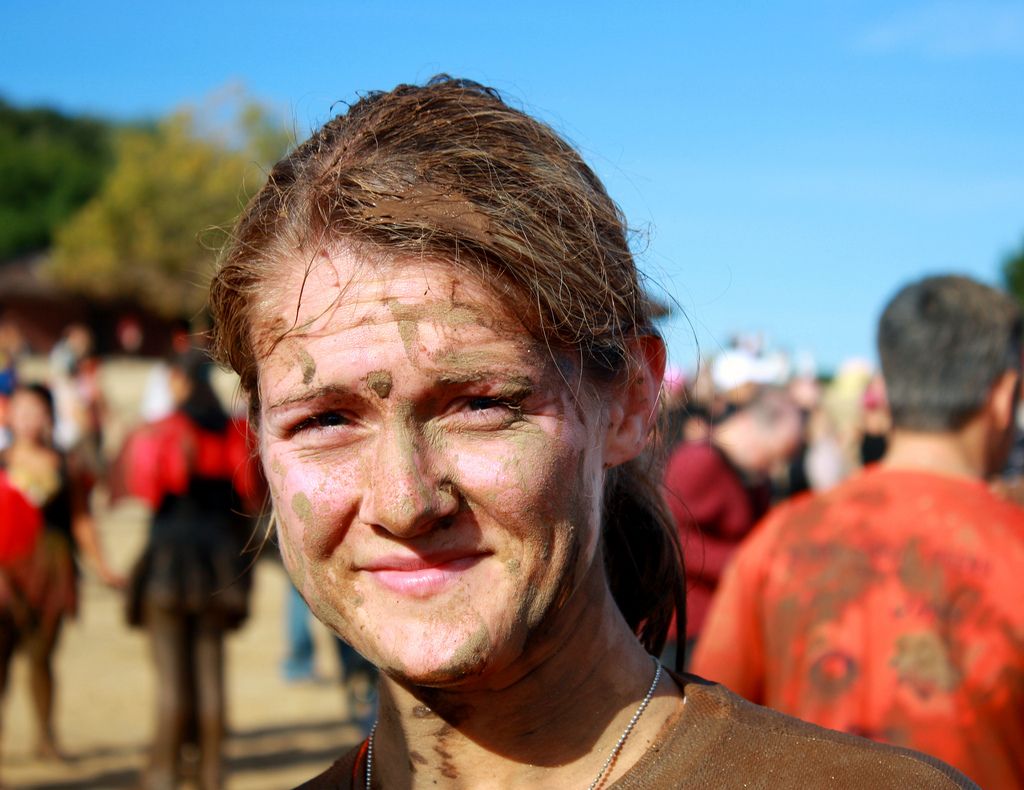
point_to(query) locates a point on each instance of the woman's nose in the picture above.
(403, 491)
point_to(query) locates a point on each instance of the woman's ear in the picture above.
(633, 406)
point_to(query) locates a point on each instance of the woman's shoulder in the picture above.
(720, 739)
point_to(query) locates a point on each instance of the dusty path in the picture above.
(280, 734)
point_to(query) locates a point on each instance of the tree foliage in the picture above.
(1013, 273)
(50, 165)
(151, 233)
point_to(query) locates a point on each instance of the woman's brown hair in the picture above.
(448, 171)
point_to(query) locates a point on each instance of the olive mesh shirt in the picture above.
(719, 740)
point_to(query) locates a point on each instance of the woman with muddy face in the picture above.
(437, 481)
(453, 372)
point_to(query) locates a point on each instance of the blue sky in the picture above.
(788, 164)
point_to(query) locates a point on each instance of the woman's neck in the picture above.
(551, 724)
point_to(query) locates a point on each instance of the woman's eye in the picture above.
(481, 404)
(493, 409)
(327, 419)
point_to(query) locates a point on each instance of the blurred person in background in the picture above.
(875, 422)
(821, 462)
(1010, 483)
(890, 607)
(79, 406)
(40, 586)
(717, 488)
(157, 397)
(844, 403)
(191, 584)
(12, 345)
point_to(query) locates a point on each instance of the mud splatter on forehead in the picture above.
(408, 317)
(379, 382)
(307, 364)
(439, 311)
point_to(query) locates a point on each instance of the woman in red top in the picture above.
(38, 575)
(191, 584)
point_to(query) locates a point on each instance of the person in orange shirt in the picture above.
(890, 607)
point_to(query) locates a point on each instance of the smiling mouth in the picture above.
(419, 577)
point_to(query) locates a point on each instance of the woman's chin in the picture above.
(438, 662)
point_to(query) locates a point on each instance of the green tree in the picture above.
(1013, 273)
(151, 233)
(50, 165)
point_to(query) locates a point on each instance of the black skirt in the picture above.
(195, 560)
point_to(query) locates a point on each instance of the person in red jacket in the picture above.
(890, 606)
(718, 489)
(191, 584)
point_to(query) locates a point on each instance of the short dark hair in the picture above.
(943, 342)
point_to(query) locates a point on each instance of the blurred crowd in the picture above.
(819, 580)
(748, 428)
(854, 546)
(188, 456)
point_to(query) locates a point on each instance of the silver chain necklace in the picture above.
(604, 768)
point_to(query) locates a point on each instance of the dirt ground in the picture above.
(279, 733)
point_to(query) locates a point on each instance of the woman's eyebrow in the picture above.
(316, 393)
(501, 378)
(507, 383)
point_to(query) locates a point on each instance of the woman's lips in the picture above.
(421, 577)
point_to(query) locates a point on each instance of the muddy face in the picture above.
(436, 481)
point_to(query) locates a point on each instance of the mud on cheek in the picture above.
(336, 603)
(299, 528)
(294, 562)
(310, 516)
(569, 546)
